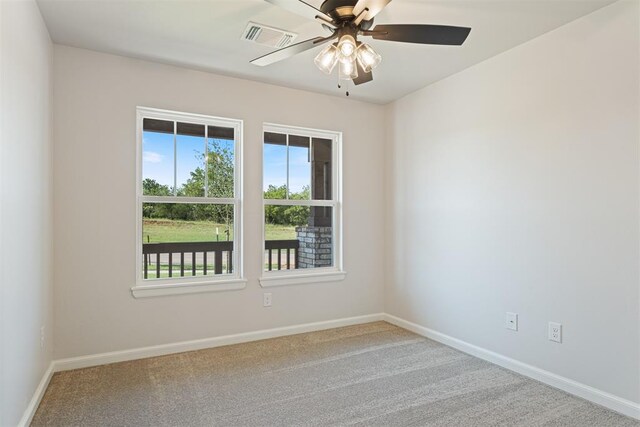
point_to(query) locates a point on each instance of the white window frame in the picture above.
(319, 274)
(185, 285)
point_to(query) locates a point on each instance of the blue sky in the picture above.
(157, 160)
(275, 167)
(157, 156)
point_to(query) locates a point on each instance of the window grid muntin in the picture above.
(334, 202)
(175, 117)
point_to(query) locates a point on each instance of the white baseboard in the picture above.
(592, 394)
(37, 397)
(164, 349)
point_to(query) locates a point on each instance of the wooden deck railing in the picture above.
(191, 254)
(291, 246)
(153, 251)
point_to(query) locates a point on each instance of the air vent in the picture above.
(268, 36)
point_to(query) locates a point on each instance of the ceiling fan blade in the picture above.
(289, 51)
(301, 8)
(424, 34)
(363, 77)
(374, 6)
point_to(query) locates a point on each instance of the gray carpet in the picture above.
(370, 375)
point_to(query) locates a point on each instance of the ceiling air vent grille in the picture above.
(268, 36)
(285, 40)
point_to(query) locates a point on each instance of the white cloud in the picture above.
(152, 157)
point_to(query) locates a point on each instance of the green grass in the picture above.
(166, 230)
(280, 232)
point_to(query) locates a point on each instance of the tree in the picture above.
(286, 215)
(151, 187)
(220, 183)
(220, 173)
(220, 180)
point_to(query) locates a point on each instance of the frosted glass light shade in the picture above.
(368, 58)
(327, 59)
(347, 45)
(348, 69)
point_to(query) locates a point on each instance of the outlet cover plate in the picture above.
(511, 321)
(266, 301)
(555, 332)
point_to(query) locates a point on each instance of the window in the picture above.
(301, 206)
(188, 199)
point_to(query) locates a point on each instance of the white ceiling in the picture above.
(206, 35)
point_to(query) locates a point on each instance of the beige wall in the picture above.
(95, 100)
(511, 186)
(515, 188)
(26, 284)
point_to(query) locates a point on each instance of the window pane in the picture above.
(157, 158)
(202, 232)
(190, 159)
(221, 162)
(275, 166)
(299, 168)
(298, 237)
(321, 164)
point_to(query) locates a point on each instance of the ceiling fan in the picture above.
(348, 19)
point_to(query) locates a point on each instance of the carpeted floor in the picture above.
(373, 374)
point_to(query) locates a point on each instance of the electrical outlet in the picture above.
(512, 321)
(555, 332)
(266, 301)
(42, 337)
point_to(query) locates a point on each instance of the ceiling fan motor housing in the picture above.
(342, 11)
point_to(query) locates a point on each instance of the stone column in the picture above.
(315, 246)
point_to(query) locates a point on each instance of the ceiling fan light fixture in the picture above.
(368, 58)
(346, 20)
(348, 70)
(327, 59)
(347, 45)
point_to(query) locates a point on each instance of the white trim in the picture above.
(32, 407)
(175, 156)
(301, 131)
(288, 159)
(291, 202)
(185, 285)
(170, 115)
(608, 400)
(335, 203)
(180, 347)
(188, 288)
(183, 199)
(238, 210)
(295, 278)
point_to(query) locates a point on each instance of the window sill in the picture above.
(301, 279)
(145, 291)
